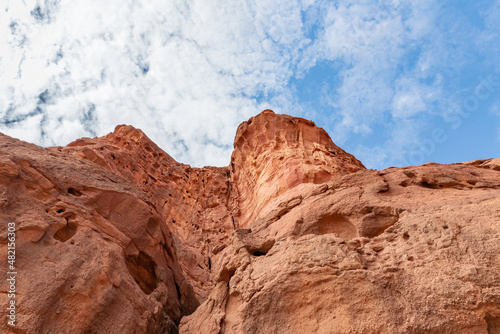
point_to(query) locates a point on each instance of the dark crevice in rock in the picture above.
(142, 268)
(74, 192)
(66, 232)
(259, 253)
(493, 324)
(168, 252)
(428, 185)
(178, 290)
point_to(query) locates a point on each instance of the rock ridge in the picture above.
(294, 236)
(304, 153)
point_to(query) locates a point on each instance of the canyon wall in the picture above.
(294, 236)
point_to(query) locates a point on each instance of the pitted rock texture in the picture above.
(195, 203)
(294, 236)
(403, 250)
(93, 253)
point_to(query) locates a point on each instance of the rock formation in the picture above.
(273, 154)
(294, 236)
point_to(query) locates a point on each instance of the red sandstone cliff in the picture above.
(275, 153)
(295, 236)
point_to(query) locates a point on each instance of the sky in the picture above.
(395, 83)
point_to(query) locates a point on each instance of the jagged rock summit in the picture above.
(294, 236)
(275, 153)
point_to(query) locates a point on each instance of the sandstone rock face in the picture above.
(93, 253)
(404, 250)
(295, 236)
(275, 153)
(195, 203)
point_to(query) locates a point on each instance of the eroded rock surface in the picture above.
(275, 153)
(295, 236)
(196, 203)
(93, 253)
(403, 250)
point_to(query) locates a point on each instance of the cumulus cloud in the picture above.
(187, 72)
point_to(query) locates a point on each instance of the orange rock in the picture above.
(275, 153)
(403, 250)
(295, 236)
(93, 253)
(195, 203)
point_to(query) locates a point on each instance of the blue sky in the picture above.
(395, 83)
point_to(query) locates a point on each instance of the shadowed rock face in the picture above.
(295, 236)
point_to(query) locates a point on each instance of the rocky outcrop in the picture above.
(295, 236)
(93, 253)
(196, 203)
(404, 250)
(275, 153)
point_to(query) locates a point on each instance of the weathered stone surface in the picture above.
(404, 250)
(295, 236)
(196, 203)
(275, 153)
(93, 254)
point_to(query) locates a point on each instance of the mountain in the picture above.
(294, 236)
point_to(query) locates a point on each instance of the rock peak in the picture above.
(274, 153)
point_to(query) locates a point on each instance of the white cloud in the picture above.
(188, 72)
(412, 97)
(399, 66)
(374, 43)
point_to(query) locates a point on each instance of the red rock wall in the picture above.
(275, 153)
(295, 236)
(196, 203)
(93, 253)
(403, 250)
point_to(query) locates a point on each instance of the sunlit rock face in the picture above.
(294, 236)
(275, 153)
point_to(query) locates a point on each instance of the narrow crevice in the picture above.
(259, 253)
(142, 268)
(74, 192)
(428, 185)
(178, 290)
